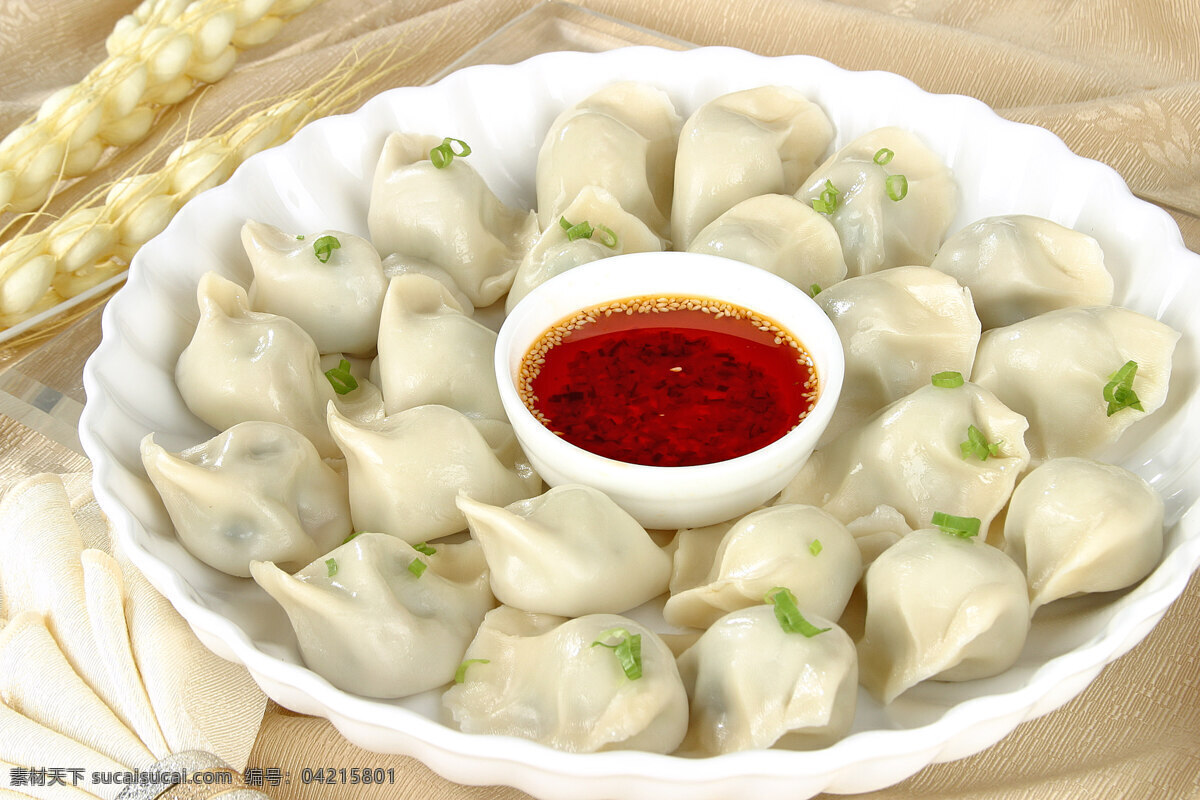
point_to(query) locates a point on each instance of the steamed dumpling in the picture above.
(909, 456)
(621, 139)
(740, 145)
(877, 531)
(337, 300)
(370, 622)
(800, 548)
(1076, 525)
(571, 551)
(432, 352)
(396, 265)
(405, 470)
(250, 365)
(878, 232)
(1053, 368)
(256, 492)
(897, 327)
(780, 234)
(1018, 266)
(448, 217)
(753, 685)
(547, 679)
(940, 607)
(555, 252)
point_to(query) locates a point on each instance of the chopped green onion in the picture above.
(827, 202)
(300, 237)
(962, 527)
(1119, 390)
(331, 566)
(341, 379)
(977, 445)
(628, 649)
(351, 536)
(424, 548)
(789, 616)
(460, 674)
(575, 231)
(417, 567)
(814, 290)
(815, 547)
(948, 379)
(883, 156)
(606, 237)
(897, 187)
(444, 153)
(324, 248)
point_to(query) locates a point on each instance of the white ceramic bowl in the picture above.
(321, 179)
(671, 497)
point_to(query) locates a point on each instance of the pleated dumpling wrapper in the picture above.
(778, 233)
(330, 283)
(593, 226)
(432, 352)
(405, 470)
(897, 327)
(911, 456)
(447, 216)
(571, 551)
(743, 144)
(250, 365)
(380, 618)
(1018, 266)
(256, 492)
(940, 606)
(622, 139)
(1063, 370)
(891, 198)
(1076, 525)
(755, 681)
(597, 682)
(797, 547)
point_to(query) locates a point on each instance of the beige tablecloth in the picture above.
(1119, 82)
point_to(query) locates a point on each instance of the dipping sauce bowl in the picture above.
(694, 494)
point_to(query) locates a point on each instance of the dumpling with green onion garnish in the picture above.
(1080, 375)
(592, 227)
(432, 352)
(405, 470)
(1075, 526)
(798, 547)
(244, 365)
(256, 492)
(441, 210)
(597, 682)
(380, 618)
(743, 144)
(769, 676)
(330, 283)
(622, 139)
(943, 606)
(889, 196)
(897, 327)
(571, 551)
(953, 447)
(780, 234)
(1018, 266)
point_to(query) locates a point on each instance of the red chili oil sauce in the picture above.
(668, 381)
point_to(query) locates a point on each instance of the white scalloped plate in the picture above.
(321, 179)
